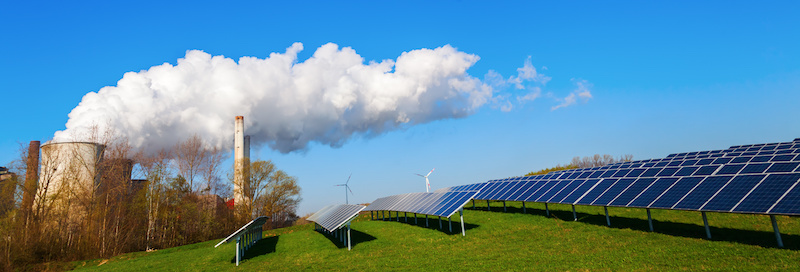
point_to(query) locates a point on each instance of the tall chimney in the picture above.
(247, 148)
(31, 177)
(239, 161)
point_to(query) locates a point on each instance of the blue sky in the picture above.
(664, 77)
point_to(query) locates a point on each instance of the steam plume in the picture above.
(329, 98)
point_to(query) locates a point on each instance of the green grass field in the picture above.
(498, 240)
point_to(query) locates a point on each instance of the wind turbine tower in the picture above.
(346, 189)
(427, 183)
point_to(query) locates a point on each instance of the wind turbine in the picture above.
(427, 183)
(347, 188)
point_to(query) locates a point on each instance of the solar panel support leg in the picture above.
(649, 220)
(487, 206)
(405, 216)
(426, 221)
(348, 237)
(705, 222)
(523, 207)
(473, 203)
(546, 210)
(370, 216)
(238, 250)
(608, 220)
(398, 216)
(415, 219)
(461, 214)
(777, 232)
(440, 223)
(574, 215)
(504, 206)
(450, 222)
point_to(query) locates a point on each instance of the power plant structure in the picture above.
(241, 164)
(69, 171)
(61, 175)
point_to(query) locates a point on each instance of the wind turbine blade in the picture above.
(348, 178)
(351, 191)
(429, 173)
(420, 175)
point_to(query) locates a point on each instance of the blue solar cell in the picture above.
(722, 160)
(651, 193)
(541, 190)
(706, 170)
(649, 164)
(732, 193)
(730, 169)
(783, 158)
(784, 151)
(552, 192)
(597, 174)
(757, 168)
(675, 163)
(509, 190)
(741, 159)
(661, 164)
(651, 172)
(667, 172)
(582, 189)
(585, 174)
(782, 167)
(632, 191)
(761, 159)
(790, 204)
(767, 193)
(704, 162)
(621, 173)
(677, 191)
(750, 153)
(635, 172)
(568, 189)
(488, 190)
(686, 171)
(704, 191)
(524, 186)
(689, 162)
(612, 192)
(595, 192)
(608, 173)
(574, 175)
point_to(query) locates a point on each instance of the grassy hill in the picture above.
(504, 240)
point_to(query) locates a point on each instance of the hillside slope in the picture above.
(504, 240)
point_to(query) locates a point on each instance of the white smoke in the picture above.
(328, 98)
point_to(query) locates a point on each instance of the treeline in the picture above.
(179, 199)
(586, 162)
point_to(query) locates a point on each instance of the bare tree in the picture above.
(191, 156)
(156, 170)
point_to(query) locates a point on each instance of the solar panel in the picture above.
(334, 217)
(443, 204)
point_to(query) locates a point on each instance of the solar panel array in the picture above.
(437, 203)
(760, 178)
(334, 216)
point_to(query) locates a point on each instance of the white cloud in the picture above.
(328, 98)
(581, 93)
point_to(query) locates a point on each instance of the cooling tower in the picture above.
(68, 171)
